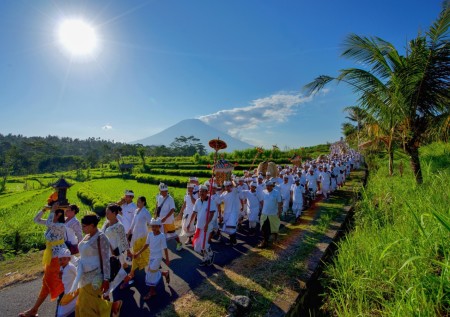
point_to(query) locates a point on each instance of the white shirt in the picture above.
(138, 227)
(312, 181)
(189, 205)
(75, 225)
(168, 205)
(55, 231)
(127, 215)
(69, 273)
(297, 193)
(285, 190)
(231, 200)
(201, 208)
(253, 199)
(156, 245)
(271, 200)
(325, 177)
(116, 236)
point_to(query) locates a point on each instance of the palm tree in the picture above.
(351, 133)
(375, 130)
(409, 91)
(426, 88)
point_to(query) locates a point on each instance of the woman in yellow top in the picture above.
(54, 236)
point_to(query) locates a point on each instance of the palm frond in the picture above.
(318, 84)
(371, 52)
(439, 30)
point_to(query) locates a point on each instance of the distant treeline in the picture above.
(20, 155)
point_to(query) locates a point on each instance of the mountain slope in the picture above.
(198, 129)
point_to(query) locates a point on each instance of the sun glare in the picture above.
(77, 37)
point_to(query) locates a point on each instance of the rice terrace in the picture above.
(248, 158)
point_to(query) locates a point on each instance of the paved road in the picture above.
(186, 274)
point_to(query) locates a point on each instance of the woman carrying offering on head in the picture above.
(54, 236)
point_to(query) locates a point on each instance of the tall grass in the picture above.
(396, 262)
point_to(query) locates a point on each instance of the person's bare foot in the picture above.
(29, 313)
(125, 282)
(167, 276)
(115, 309)
(150, 294)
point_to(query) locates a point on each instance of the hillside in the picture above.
(197, 128)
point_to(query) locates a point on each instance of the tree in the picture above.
(375, 132)
(187, 146)
(141, 154)
(407, 94)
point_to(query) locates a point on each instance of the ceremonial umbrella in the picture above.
(217, 145)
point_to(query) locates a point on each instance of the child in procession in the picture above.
(67, 301)
(156, 242)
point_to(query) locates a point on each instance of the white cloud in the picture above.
(269, 111)
(107, 127)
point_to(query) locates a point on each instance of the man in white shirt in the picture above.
(243, 211)
(232, 205)
(254, 206)
(270, 214)
(325, 180)
(165, 211)
(261, 185)
(186, 212)
(204, 210)
(285, 191)
(311, 181)
(128, 208)
(297, 192)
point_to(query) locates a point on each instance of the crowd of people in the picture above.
(81, 272)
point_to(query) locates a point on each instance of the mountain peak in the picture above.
(196, 128)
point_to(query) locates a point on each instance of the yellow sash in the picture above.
(47, 258)
(67, 298)
(169, 228)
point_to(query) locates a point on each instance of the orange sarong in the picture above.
(51, 282)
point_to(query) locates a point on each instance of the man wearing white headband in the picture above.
(241, 186)
(285, 191)
(297, 192)
(204, 210)
(254, 204)
(270, 214)
(186, 213)
(165, 210)
(232, 205)
(128, 208)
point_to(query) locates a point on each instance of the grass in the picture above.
(19, 234)
(22, 268)
(268, 276)
(396, 262)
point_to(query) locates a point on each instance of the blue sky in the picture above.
(239, 65)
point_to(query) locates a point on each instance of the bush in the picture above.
(97, 201)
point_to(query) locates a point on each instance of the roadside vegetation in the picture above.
(396, 261)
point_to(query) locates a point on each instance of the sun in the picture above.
(77, 37)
